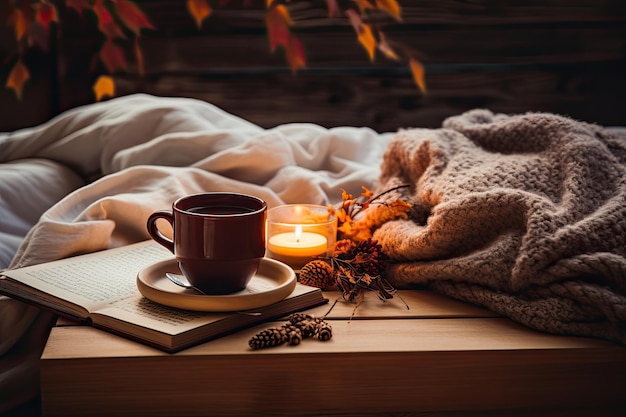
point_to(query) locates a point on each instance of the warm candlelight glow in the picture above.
(298, 243)
(299, 233)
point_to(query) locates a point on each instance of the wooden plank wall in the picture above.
(562, 56)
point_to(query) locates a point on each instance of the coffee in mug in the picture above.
(219, 239)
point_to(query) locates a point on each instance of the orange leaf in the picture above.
(104, 87)
(78, 5)
(417, 69)
(295, 54)
(132, 16)
(199, 10)
(391, 7)
(106, 23)
(364, 33)
(46, 13)
(17, 78)
(277, 22)
(20, 23)
(112, 56)
(363, 5)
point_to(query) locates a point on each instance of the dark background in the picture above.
(562, 56)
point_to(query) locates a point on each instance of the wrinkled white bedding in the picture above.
(88, 180)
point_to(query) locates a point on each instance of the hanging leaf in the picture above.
(199, 10)
(138, 57)
(363, 5)
(104, 87)
(295, 54)
(385, 48)
(391, 7)
(20, 23)
(17, 78)
(364, 33)
(37, 35)
(132, 17)
(78, 5)
(277, 22)
(106, 23)
(45, 13)
(112, 56)
(417, 69)
(333, 8)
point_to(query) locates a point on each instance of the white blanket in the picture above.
(139, 154)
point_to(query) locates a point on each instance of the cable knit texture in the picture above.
(523, 214)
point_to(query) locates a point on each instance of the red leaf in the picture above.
(333, 8)
(132, 16)
(106, 23)
(112, 56)
(295, 54)
(17, 78)
(45, 13)
(277, 22)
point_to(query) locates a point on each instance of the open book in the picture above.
(100, 288)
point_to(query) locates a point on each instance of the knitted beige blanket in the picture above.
(524, 215)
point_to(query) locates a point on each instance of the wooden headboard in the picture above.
(562, 56)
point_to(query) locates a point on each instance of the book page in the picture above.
(145, 313)
(95, 279)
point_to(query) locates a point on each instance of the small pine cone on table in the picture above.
(317, 273)
(276, 336)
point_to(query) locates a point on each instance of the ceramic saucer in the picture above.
(273, 281)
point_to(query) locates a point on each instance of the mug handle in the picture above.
(154, 231)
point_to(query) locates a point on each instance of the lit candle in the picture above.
(297, 248)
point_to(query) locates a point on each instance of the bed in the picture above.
(522, 214)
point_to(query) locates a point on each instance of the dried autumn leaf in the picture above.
(78, 5)
(138, 56)
(333, 8)
(199, 10)
(367, 193)
(20, 23)
(391, 7)
(417, 69)
(363, 5)
(17, 78)
(364, 33)
(112, 56)
(385, 48)
(295, 54)
(106, 23)
(132, 16)
(277, 22)
(45, 13)
(104, 87)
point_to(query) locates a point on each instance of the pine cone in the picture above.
(317, 273)
(276, 336)
(323, 331)
(374, 260)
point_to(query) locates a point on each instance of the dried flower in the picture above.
(359, 228)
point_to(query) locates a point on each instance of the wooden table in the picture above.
(439, 358)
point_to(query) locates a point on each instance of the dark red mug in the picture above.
(219, 239)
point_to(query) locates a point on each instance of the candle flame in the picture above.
(298, 233)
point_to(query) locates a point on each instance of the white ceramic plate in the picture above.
(273, 281)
